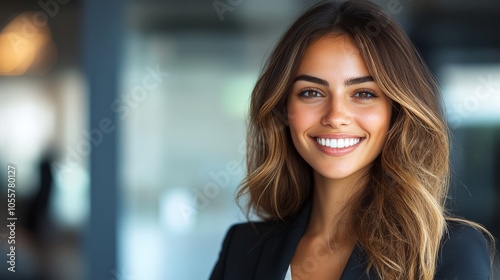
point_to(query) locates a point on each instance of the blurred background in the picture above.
(125, 121)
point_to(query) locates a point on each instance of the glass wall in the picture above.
(188, 76)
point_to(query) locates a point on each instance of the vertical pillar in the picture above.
(102, 41)
(495, 227)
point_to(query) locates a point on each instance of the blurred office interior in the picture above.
(126, 123)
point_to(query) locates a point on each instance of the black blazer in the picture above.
(264, 251)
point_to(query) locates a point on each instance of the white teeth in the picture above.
(338, 143)
(333, 143)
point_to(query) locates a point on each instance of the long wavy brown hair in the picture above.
(403, 203)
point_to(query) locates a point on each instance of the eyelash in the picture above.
(310, 90)
(320, 94)
(366, 91)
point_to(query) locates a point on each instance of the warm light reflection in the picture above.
(26, 45)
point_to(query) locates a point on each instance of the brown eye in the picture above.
(310, 93)
(365, 94)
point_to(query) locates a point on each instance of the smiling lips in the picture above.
(338, 143)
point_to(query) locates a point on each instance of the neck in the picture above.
(330, 202)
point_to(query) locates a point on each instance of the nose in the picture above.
(336, 113)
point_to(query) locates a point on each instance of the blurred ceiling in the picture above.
(433, 23)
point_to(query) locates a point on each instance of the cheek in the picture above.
(376, 120)
(299, 118)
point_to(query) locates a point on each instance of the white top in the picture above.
(288, 275)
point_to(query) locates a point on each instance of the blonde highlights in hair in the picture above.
(399, 216)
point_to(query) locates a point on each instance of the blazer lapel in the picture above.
(355, 268)
(279, 247)
(278, 250)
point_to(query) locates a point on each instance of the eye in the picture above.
(310, 93)
(365, 94)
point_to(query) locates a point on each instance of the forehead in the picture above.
(332, 56)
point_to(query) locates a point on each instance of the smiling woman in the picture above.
(338, 116)
(352, 182)
(338, 121)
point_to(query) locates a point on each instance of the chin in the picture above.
(340, 174)
(335, 175)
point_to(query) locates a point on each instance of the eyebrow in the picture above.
(348, 82)
(358, 80)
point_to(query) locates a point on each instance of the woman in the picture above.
(348, 161)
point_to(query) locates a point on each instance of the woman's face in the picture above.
(338, 116)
